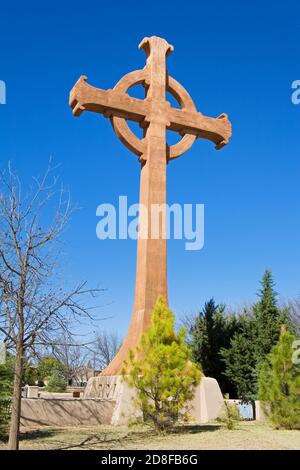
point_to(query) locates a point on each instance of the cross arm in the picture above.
(84, 97)
(218, 130)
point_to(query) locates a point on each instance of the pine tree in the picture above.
(279, 384)
(268, 318)
(205, 335)
(56, 382)
(6, 382)
(161, 370)
(210, 333)
(240, 361)
(250, 346)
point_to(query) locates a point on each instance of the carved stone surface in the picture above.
(155, 115)
(114, 388)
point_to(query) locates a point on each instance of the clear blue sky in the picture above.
(231, 57)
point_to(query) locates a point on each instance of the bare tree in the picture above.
(73, 355)
(34, 300)
(292, 307)
(106, 346)
(187, 321)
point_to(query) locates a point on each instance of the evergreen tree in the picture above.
(250, 346)
(279, 384)
(47, 366)
(240, 361)
(56, 382)
(210, 333)
(6, 383)
(267, 319)
(161, 370)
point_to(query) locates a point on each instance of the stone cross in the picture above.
(155, 115)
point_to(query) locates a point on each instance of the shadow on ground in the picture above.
(196, 428)
(37, 434)
(64, 439)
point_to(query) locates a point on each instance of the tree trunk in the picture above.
(13, 443)
(254, 409)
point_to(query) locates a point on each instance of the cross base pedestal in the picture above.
(205, 406)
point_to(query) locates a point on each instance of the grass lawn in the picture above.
(248, 435)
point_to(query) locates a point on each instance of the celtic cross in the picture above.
(155, 115)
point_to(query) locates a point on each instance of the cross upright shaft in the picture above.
(156, 116)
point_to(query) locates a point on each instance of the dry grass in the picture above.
(248, 435)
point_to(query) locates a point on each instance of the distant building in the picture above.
(82, 375)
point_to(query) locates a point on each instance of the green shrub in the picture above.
(56, 382)
(6, 383)
(230, 416)
(279, 385)
(47, 366)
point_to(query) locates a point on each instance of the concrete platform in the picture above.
(205, 406)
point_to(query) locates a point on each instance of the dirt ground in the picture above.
(248, 435)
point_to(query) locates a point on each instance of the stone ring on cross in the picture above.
(120, 107)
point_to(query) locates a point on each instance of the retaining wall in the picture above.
(65, 412)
